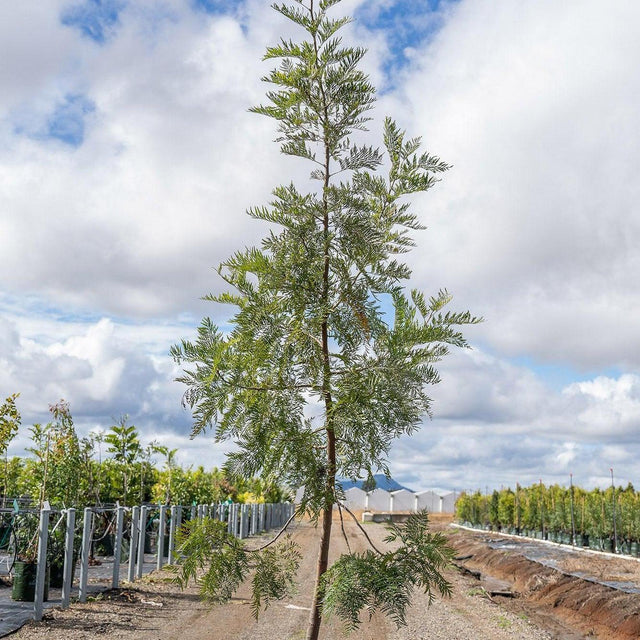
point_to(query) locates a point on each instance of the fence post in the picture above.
(133, 543)
(117, 548)
(84, 555)
(142, 530)
(244, 521)
(231, 513)
(162, 527)
(172, 533)
(41, 571)
(67, 576)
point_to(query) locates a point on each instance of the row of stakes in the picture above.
(242, 520)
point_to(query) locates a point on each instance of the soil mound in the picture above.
(595, 609)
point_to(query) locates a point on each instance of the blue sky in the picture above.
(95, 19)
(128, 158)
(404, 25)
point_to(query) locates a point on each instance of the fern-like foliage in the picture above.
(274, 574)
(385, 582)
(211, 557)
(218, 562)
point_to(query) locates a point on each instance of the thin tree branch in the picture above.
(290, 387)
(286, 524)
(366, 535)
(344, 533)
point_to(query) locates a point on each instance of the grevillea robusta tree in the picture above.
(328, 358)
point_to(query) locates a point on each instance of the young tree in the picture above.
(10, 420)
(168, 471)
(58, 473)
(124, 445)
(328, 359)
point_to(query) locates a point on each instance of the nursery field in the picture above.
(534, 602)
(608, 520)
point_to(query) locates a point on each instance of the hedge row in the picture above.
(546, 512)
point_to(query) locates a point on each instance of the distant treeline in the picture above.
(108, 467)
(96, 482)
(548, 512)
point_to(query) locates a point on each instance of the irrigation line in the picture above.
(551, 543)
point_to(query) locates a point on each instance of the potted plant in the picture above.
(57, 469)
(25, 567)
(55, 555)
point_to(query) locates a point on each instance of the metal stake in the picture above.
(67, 579)
(142, 530)
(117, 548)
(84, 555)
(43, 538)
(133, 543)
(162, 524)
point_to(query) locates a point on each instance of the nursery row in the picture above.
(126, 535)
(605, 519)
(109, 467)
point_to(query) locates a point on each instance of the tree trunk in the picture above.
(315, 618)
(327, 515)
(323, 555)
(323, 560)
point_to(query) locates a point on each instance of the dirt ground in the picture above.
(553, 595)
(547, 606)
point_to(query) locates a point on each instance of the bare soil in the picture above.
(547, 605)
(554, 596)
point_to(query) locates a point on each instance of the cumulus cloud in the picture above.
(102, 369)
(131, 220)
(128, 158)
(535, 226)
(508, 425)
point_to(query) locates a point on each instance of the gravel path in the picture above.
(155, 610)
(468, 615)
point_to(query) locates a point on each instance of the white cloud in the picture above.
(34, 51)
(103, 370)
(608, 406)
(133, 219)
(535, 227)
(498, 423)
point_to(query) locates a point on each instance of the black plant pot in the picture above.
(56, 572)
(24, 581)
